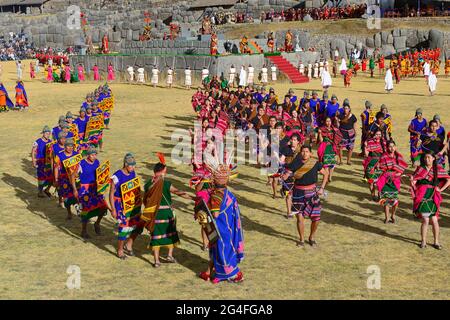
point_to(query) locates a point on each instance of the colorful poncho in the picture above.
(426, 199)
(389, 182)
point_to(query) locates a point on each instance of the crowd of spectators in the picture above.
(15, 47)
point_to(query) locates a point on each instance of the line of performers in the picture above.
(69, 163)
(301, 123)
(66, 74)
(6, 103)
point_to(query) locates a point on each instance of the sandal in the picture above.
(301, 244)
(437, 246)
(128, 252)
(313, 243)
(157, 264)
(392, 220)
(205, 248)
(171, 259)
(386, 221)
(122, 257)
(423, 245)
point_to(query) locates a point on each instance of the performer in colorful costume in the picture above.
(38, 151)
(92, 202)
(305, 197)
(21, 96)
(227, 251)
(374, 148)
(5, 102)
(415, 129)
(329, 139)
(64, 177)
(428, 182)
(158, 214)
(127, 221)
(392, 166)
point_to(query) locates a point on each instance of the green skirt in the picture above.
(165, 232)
(427, 207)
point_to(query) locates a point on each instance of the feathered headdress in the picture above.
(220, 170)
(162, 160)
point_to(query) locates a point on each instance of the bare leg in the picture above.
(156, 255)
(289, 204)
(274, 187)
(120, 244)
(394, 210)
(436, 229)
(386, 213)
(314, 225)
(424, 230)
(349, 156)
(301, 227)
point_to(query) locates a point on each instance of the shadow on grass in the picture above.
(48, 210)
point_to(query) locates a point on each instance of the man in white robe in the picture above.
(432, 82)
(326, 79)
(243, 77)
(388, 81)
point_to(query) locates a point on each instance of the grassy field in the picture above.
(346, 26)
(39, 245)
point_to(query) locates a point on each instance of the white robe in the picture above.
(155, 77)
(274, 73)
(251, 75)
(140, 76)
(130, 71)
(169, 76)
(310, 70)
(316, 70)
(326, 79)
(343, 66)
(243, 77)
(232, 76)
(187, 77)
(432, 82)
(264, 75)
(426, 69)
(205, 73)
(301, 69)
(389, 82)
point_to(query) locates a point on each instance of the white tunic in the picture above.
(243, 77)
(232, 75)
(187, 77)
(316, 70)
(326, 79)
(432, 82)
(251, 75)
(264, 75)
(169, 76)
(155, 73)
(205, 73)
(320, 68)
(389, 83)
(130, 71)
(343, 66)
(426, 69)
(309, 70)
(301, 69)
(140, 76)
(274, 73)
